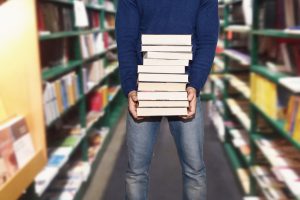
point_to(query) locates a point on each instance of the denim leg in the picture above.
(141, 137)
(189, 136)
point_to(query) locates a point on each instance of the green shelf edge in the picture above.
(265, 72)
(234, 160)
(275, 33)
(278, 125)
(71, 2)
(74, 33)
(206, 96)
(240, 122)
(245, 160)
(60, 69)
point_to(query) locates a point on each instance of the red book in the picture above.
(41, 25)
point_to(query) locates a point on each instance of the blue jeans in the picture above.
(188, 136)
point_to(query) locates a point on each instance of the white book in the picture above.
(176, 78)
(169, 55)
(162, 96)
(291, 83)
(148, 61)
(148, 86)
(167, 48)
(168, 69)
(161, 112)
(166, 39)
(159, 104)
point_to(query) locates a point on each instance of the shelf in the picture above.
(64, 34)
(265, 72)
(238, 28)
(244, 59)
(60, 69)
(111, 47)
(235, 163)
(237, 111)
(239, 85)
(206, 96)
(278, 125)
(65, 111)
(232, 2)
(275, 33)
(103, 112)
(51, 177)
(71, 2)
(23, 178)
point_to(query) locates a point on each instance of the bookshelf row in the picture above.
(72, 101)
(255, 88)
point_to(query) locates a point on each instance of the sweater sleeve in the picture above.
(207, 30)
(127, 33)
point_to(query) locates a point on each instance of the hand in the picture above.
(133, 104)
(192, 98)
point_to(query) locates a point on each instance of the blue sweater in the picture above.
(196, 17)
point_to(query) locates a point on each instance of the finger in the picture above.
(134, 98)
(191, 96)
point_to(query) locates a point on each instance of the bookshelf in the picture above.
(227, 95)
(108, 86)
(20, 86)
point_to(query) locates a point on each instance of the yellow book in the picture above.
(253, 87)
(74, 79)
(296, 132)
(57, 88)
(71, 99)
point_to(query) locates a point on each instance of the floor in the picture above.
(165, 173)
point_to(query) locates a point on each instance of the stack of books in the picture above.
(162, 78)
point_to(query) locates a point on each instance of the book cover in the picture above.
(7, 151)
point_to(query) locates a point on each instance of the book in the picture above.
(161, 112)
(162, 96)
(166, 39)
(23, 146)
(291, 83)
(151, 86)
(167, 48)
(177, 69)
(159, 104)
(179, 78)
(168, 55)
(7, 151)
(148, 61)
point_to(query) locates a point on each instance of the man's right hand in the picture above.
(133, 104)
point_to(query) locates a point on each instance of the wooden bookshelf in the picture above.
(20, 85)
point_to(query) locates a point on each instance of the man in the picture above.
(196, 17)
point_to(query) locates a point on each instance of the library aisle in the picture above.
(165, 173)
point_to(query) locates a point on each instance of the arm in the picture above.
(127, 33)
(207, 30)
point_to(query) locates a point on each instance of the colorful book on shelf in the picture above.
(7, 153)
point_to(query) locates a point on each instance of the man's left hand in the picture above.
(192, 98)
